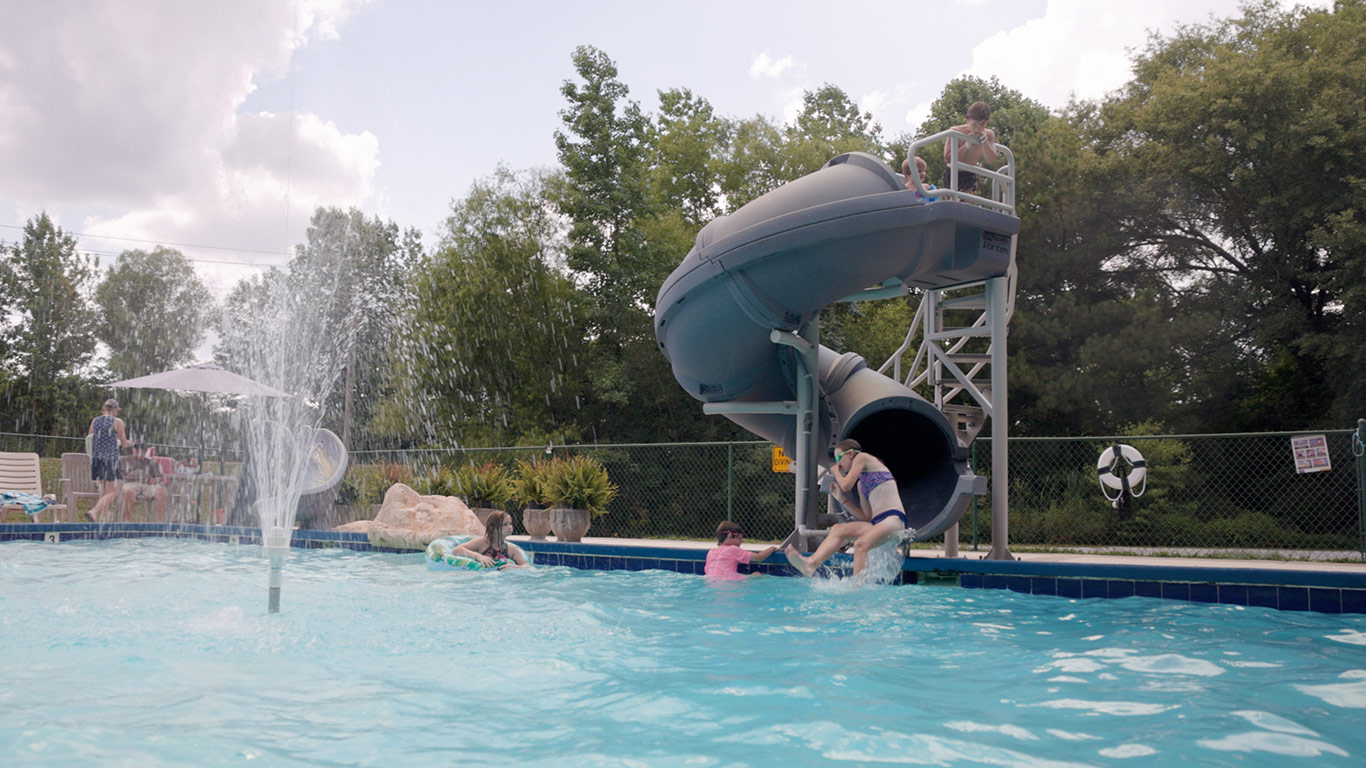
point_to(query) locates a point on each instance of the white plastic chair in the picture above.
(21, 472)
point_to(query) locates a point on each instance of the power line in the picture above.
(165, 242)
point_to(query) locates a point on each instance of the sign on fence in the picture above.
(781, 461)
(1311, 453)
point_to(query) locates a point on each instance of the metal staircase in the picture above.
(962, 331)
(953, 324)
(953, 362)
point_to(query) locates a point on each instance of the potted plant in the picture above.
(435, 481)
(531, 487)
(484, 487)
(580, 489)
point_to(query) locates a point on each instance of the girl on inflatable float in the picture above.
(492, 550)
(876, 505)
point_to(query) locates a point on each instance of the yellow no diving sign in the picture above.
(781, 461)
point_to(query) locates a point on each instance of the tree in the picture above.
(829, 124)
(752, 163)
(1090, 347)
(154, 311)
(605, 192)
(49, 326)
(322, 329)
(622, 245)
(685, 151)
(494, 345)
(354, 268)
(1241, 150)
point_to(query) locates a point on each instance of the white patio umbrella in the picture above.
(205, 378)
(201, 377)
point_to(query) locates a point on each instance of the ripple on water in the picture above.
(1274, 743)
(1347, 695)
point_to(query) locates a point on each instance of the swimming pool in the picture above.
(159, 652)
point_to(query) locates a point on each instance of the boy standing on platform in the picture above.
(969, 154)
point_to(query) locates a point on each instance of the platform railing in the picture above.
(1003, 186)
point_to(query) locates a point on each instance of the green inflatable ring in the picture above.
(441, 556)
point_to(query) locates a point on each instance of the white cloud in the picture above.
(763, 66)
(875, 102)
(133, 108)
(793, 99)
(1084, 48)
(918, 114)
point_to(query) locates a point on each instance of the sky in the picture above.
(217, 128)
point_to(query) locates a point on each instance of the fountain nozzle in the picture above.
(275, 544)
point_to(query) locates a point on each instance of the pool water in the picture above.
(159, 652)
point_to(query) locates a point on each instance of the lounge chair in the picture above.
(21, 473)
(77, 485)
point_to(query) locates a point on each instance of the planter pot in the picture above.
(483, 513)
(570, 524)
(536, 521)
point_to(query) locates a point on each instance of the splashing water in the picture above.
(296, 332)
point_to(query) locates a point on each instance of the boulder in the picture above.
(409, 521)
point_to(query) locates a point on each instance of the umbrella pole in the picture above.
(199, 460)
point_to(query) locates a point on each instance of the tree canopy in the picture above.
(153, 312)
(48, 332)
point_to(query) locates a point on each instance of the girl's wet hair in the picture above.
(847, 445)
(725, 529)
(493, 526)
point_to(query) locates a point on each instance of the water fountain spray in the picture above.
(297, 330)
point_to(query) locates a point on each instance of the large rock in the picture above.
(409, 521)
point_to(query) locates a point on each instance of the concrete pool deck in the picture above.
(1327, 587)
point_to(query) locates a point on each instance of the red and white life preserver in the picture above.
(1134, 479)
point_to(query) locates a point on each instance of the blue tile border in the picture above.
(1323, 591)
(1204, 593)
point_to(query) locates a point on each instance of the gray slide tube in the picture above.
(776, 262)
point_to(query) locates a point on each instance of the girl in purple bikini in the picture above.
(876, 504)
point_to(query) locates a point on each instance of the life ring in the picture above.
(1109, 460)
(441, 556)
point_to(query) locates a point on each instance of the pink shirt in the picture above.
(724, 563)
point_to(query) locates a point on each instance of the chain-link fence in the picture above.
(1203, 492)
(1236, 491)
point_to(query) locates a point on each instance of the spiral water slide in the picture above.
(772, 265)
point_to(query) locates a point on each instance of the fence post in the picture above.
(974, 498)
(730, 481)
(1359, 449)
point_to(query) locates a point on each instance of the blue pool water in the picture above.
(158, 652)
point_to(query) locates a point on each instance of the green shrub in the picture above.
(579, 482)
(435, 481)
(483, 485)
(366, 484)
(531, 482)
(1249, 530)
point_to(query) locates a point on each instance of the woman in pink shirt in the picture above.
(724, 561)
